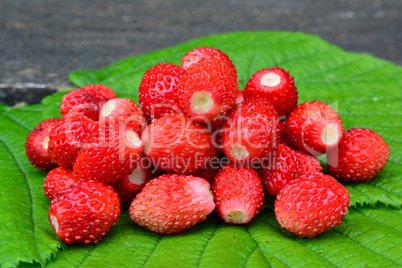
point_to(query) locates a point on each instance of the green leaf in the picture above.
(367, 237)
(25, 233)
(366, 93)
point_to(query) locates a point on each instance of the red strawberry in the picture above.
(197, 54)
(58, 180)
(309, 163)
(250, 134)
(238, 194)
(208, 89)
(310, 205)
(158, 89)
(109, 158)
(37, 143)
(85, 212)
(172, 203)
(361, 154)
(275, 85)
(104, 90)
(282, 168)
(85, 101)
(128, 187)
(68, 136)
(314, 127)
(177, 144)
(120, 111)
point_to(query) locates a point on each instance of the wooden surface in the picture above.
(42, 41)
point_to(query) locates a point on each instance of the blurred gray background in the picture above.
(42, 41)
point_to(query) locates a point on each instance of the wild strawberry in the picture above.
(197, 54)
(275, 85)
(128, 187)
(110, 158)
(68, 136)
(250, 133)
(309, 164)
(121, 111)
(283, 167)
(172, 203)
(58, 180)
(238, 194)
(314, 127)
(85, 212)
(310, 205)
(208, 89)
(158, 90)
(361, 154)
(176, 144)
(104, 90)
(37, 143)
(85, 101)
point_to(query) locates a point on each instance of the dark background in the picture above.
(42, 41)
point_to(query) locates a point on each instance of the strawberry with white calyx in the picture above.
(37, 143)
(275, 85)
(314, 127)
(250, 133)
(208, 89)
(238, 194)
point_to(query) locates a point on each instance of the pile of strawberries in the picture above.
(197, 144)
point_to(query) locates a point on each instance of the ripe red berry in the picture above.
(68, 136)
(250, 133)
(158, 90)
(104, 90)
(361, 154)
(58, 180)
(275, 85)
(197, 54)
(85, 212)
(37, 143)
(85, 101)
(238, 194)
(208, 89)
(283, 167)
(109, 158)
(122, 112)
(314, 127)
(309, 164)
(310, 205)
(176, 144)
(172, 203)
